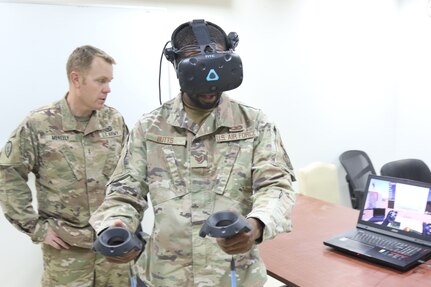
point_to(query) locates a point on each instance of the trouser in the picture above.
(81, 267)
(140, 283)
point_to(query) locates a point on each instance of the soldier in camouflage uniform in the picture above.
(193, 156)
(72, 147)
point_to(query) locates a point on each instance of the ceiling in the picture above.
(122, 2)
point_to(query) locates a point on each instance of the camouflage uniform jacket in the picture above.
(71, 169)
(234, 160)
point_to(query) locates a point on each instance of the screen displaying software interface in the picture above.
(399, 206)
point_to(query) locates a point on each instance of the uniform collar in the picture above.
(70, 123)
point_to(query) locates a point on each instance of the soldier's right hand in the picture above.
(52, 239)
(129, 256)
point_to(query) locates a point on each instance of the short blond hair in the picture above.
(81, 58)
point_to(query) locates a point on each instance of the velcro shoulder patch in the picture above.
(10, 154)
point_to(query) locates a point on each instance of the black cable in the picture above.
(232, 272)
(160, 71)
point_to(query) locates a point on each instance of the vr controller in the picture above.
(224, 224)
(117, 241)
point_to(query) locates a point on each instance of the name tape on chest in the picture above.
(236, 136)
(58, 137)
(110, 134)
(167, 139)
(219, 138)
(69, 137)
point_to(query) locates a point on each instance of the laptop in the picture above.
(402, 239)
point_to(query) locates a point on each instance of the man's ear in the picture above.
(74, 78)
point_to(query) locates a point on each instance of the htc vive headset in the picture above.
(209, 70)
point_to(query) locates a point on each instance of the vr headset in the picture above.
(209, 70)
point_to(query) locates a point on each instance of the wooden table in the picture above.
(299, 258)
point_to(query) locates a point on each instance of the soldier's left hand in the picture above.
(243, 241)
(54, 240)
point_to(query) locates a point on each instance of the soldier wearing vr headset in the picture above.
(198, 154)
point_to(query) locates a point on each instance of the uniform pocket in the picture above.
(72, 162)
(234, 174)
(164, 173)
(110, 164)
(61, 167)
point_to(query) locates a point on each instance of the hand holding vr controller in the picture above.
(118, 244)
(234, 233)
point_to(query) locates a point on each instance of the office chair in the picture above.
(358, 166)
(410, 168)
(319, 180)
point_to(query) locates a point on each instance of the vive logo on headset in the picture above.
(212, 76)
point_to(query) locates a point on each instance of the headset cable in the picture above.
(232, 272)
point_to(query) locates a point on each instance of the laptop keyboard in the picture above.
(398, 247)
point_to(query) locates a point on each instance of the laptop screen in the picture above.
(397, 205)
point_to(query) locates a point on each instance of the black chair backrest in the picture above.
(358, 166)
(411, 168)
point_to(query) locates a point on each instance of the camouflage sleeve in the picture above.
(17, 160)
(125, 133)
(273, 196)
(126, 190)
